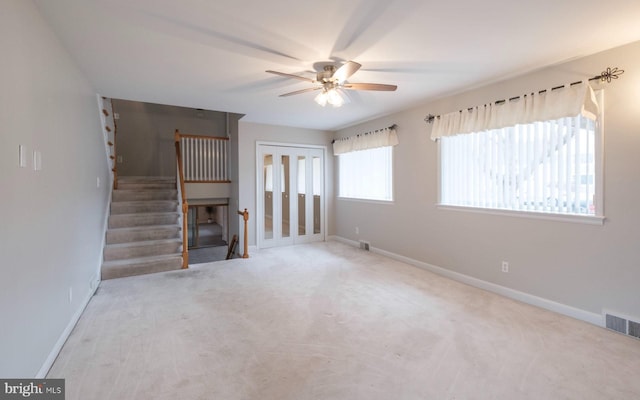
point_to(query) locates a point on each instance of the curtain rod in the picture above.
(394, 126)
(607, 75)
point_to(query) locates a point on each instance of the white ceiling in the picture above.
(213, 54)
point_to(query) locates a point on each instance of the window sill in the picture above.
(371, 201)
(581, 219)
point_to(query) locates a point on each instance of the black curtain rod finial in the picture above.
(610, 73)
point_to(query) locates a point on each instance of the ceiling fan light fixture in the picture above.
(332, 81)
(334, 98)
(322, 98)
(330, 96)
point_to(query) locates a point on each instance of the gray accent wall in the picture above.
(587, 267)
(52, 220)
(145, 135)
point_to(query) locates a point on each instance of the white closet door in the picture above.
(291, 195)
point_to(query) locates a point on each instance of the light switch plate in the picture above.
(37, 160)
(22, 156)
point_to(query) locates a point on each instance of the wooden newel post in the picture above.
(185, 204)
(245, 216)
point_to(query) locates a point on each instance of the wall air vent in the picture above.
(622, 324)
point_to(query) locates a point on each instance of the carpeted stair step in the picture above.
(143, 206)
(147, 248)
(142, 219)
(146, 185)
(141, 266)
(135, 195)
(142, 233)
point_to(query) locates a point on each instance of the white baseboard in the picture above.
(547, 304)
(64, 336)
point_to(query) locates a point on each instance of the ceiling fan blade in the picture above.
(343, 73)
(370, 86)
(302, 78)
(301, 91)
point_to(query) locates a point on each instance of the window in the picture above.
(366, 174)
(550, 167)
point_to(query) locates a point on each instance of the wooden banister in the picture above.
(185, 205)
(245, 216)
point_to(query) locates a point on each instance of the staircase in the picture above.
(143, 234)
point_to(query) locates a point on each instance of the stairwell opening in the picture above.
(208, 230)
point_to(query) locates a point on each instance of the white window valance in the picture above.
(370, 140)
(568, 101)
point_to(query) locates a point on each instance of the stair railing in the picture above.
(185, 205)
(205, 159)
(201, 159)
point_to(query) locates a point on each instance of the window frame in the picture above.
(597, 219)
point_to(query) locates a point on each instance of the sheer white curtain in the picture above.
(569, 101)
(380, 138)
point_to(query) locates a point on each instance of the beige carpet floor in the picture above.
(327, 321)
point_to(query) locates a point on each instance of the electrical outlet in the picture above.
(119, 159)
(357, 230)
(505, 266)
(70, 295)
(97, 181)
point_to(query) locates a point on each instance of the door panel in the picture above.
(267, 185)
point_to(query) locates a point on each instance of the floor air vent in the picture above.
(364, 245)
(623, 325)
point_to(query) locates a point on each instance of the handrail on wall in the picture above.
(115, 161)
(185, 205)
(108, 118)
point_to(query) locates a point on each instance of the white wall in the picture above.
(249, 135)
(51, 221)
(583, 266)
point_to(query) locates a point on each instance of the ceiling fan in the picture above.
(332, 81)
